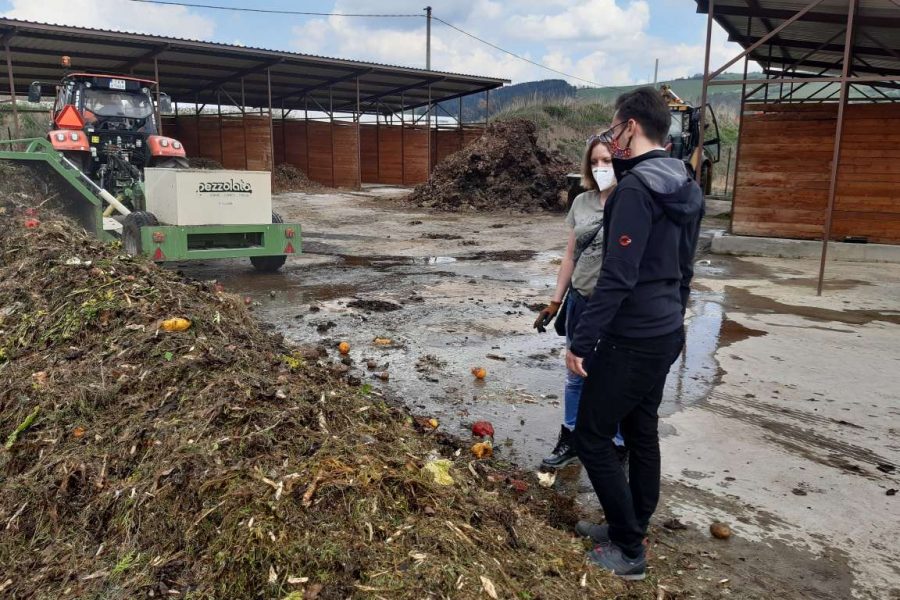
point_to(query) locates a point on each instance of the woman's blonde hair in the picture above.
(587, 177)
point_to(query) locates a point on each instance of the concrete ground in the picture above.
(780, 419)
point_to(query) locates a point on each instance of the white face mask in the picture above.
(604, 177)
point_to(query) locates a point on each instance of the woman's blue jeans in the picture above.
(574, 383)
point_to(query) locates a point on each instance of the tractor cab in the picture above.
(106, 126)
(684, 137)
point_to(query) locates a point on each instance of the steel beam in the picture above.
(703, 94)
(130, 64)
(218, 83)
(327, 83)
(772, 34)
(838, 137)
(812, 16)
(12, 84)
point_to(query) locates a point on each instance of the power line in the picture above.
(371, 15)
(513, 54)
(272, 11)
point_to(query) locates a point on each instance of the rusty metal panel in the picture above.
(346, 155)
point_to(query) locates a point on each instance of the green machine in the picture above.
(181, 214)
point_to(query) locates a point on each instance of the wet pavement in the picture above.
(453, 292)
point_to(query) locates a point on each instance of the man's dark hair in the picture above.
(648, 107)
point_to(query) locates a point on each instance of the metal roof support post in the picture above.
(709, 24)
(12, 88)
(306, 130)
(768, 66)
(737, 152)
(159, 122)
(358, 139)
(428, 125)
(197, 110)
(243, 99)
(839, 132)
(487, 106)
(331, 129)
(402, 143)
(459, 114)
(271, 123)
(221, 129)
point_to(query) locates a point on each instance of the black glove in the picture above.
(546, 315)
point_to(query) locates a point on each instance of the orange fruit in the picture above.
(479, 372)
(344, 348)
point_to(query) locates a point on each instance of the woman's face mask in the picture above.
(604, 177)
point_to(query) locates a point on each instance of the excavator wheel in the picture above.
(131, 230)
(269, 264)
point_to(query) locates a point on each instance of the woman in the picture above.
(578, 274)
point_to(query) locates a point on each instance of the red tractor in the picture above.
(106, 125)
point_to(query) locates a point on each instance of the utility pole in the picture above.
(428, 38)
(655, 72)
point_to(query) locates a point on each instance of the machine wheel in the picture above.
(269, 264)
(706, 179)
(131, 230)
(173, 162)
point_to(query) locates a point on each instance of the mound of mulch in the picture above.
(288, 178)
(218, 462)
(198, 162)
(505, 169)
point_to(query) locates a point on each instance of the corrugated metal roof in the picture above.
(815, 42)
(206, 72)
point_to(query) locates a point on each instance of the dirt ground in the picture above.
(780, 419)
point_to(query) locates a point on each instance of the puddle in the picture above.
(747, 302)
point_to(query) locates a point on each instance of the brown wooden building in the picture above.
(819, 146)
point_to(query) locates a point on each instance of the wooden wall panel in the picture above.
(259, 143)
(346, 155)
(210, 139)
(295, 145)
(785, 166)
(368, 148)
(278, 141)
(415, 155)
(447, 142)
(234, 147)
(390, 155)
(320, 153)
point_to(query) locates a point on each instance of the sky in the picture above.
(605, 42)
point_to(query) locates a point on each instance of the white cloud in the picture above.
(120, 15)
(603, 41)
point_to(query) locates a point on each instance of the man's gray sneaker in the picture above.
(610, 558)
(599, 534)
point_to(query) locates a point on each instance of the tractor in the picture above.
(684, 136)
(107, 127)
(681, 142)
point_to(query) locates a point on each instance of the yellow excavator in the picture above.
(684, 137)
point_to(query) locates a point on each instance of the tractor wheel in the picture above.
(173, 162)
(131, 230)
(269, 264)
(706, 178)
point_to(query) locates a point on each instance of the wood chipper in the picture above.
(129, 182)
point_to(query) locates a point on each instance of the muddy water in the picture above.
(464, 311)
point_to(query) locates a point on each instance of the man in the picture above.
(632, 329)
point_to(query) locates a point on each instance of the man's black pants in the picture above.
(625, 383)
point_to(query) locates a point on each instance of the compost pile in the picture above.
(505, 169)
(288, 178)
(214, 461)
